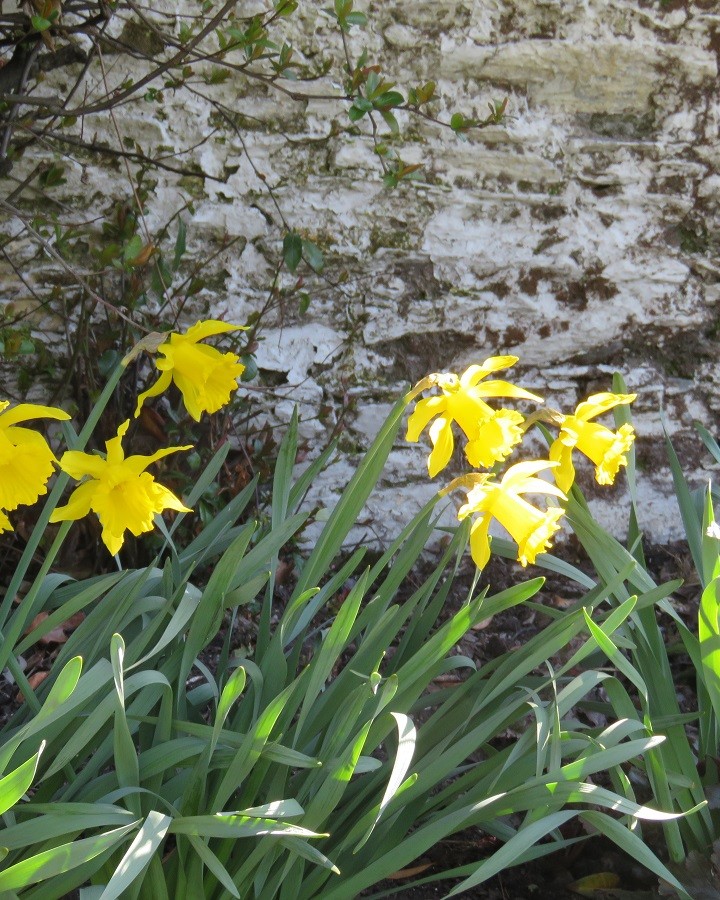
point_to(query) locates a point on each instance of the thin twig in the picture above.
(51, 251)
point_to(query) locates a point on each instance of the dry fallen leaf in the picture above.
(409, 873)
(59, 634)
(34, 680)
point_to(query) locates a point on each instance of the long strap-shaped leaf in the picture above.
(345, 514)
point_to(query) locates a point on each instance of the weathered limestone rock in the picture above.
(582, 234)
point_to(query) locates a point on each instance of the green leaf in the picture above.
(688, 512)
(62, 820)
(709, 635)
(138, 855)
(313, 257)
(60, 859)
(355, 113)
(230, 694)
(332, 646)
(40, 24)
(507, 856)
(407, 736)
(630, 843)
(390, 121)
(285, 7)
(292, 250)
(132, 248)
(709, 441)
(345, 514)
(15, 785)
(283, 809)
(180, 244)
(229, 825)
(64, 685)
(308, 852)
(213, 864)
(710, 551)
(362, 104)
(388, 99)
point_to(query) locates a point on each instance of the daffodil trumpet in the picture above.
(205, 377)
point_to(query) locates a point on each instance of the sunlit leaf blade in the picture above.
(138, 855)
(14, 786)
(407, 735)
(60, 859)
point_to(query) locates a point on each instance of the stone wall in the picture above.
(581, 234)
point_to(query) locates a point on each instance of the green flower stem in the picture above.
(51, 503)
(25, 612)
(20, 680)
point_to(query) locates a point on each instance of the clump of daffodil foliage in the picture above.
(491, 437)
(346, 737)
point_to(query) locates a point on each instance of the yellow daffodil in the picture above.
(462, 401)
(118, 489)
(26, 460)
(205, 377)
(606, 448)
(529, 527)
(4, 523)
(495, 439)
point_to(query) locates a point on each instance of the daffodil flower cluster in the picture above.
(491, 437)
(116, 487)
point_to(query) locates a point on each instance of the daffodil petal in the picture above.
(161, 385)
(470, 412)
(473, 374)
(191, 396)
(480, 541)
(26, 437)
(201, 330)
(113, 540)
(5, 524)
(504, 389)
(137, 463)
(212, 391)
(78, 464)
(424, 411)
(615, 455)
(169, 500)
(597, 404)
(564, 474)
(25, 411)
(538, 486)
(442, 437)
(520, 472)
(114, 452)
(124, 496)
(78, 506)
